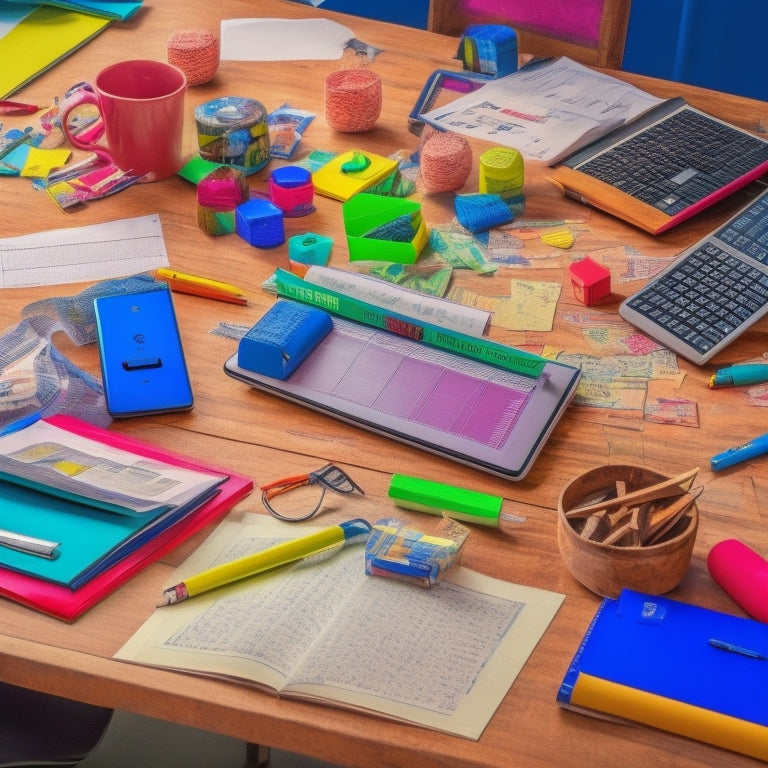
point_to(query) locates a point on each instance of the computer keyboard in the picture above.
(678, 161)
(712, 292)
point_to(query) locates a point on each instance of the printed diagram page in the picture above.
(443, 657)
(57, 461)
(546, 111)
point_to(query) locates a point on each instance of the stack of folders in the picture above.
(677, 667)
(85, 508)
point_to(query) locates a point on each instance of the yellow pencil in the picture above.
(201, 286)
(331, 539)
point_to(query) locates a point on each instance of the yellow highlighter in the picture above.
(326, 541)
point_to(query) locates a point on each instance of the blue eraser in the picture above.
(283, 339)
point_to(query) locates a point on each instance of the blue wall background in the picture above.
(711, 43)
(412, 13)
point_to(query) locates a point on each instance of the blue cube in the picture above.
(260, 223)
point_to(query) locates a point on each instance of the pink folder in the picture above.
(64, 603)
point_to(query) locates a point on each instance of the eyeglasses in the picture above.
(294, 509)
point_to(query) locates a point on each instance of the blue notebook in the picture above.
(678, 667)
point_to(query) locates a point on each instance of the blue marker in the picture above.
(756, 447)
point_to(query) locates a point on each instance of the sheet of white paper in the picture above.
(83, 254)
(283, 39)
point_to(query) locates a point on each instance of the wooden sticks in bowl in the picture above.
(641, 517)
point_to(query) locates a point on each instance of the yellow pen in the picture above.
(201, 286)
(323, 543)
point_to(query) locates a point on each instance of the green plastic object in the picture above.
(442, 499)
(364, 217)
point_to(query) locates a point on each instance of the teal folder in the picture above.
(91, 539)
(119, 10)
(674, 666)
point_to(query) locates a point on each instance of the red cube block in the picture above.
(591, 281)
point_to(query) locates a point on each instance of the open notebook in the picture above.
(473, 412)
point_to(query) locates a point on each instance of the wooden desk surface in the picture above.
(265, 438)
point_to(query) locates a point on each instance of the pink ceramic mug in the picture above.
(141, 103)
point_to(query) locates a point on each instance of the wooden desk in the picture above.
(264, 437)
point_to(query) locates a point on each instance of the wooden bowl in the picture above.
(606, 568)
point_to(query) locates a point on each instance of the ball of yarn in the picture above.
(352, 100)
(445, 162)
(196, 53)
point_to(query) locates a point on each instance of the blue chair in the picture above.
(38, 730)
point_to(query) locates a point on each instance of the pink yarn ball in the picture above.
(353, 99)
(445, 162)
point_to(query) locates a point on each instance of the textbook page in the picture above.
(50, 458)
(545, 111)
(443, 658)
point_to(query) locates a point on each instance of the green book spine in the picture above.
(291, 286)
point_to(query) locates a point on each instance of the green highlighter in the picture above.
(449, 500)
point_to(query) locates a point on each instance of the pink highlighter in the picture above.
(743, 574)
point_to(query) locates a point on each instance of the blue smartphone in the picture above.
(142, 360)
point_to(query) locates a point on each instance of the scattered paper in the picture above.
(283, 39)
(83, 254)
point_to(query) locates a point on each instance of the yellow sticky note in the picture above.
(40, 162)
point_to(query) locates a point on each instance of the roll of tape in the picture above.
(233, 130)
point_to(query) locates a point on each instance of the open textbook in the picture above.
(546, 111)
(442, 658)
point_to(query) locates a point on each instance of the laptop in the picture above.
(461, 408)
(664, 167)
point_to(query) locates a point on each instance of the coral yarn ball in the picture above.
(353, 100)
(196, 53)
(445, 162)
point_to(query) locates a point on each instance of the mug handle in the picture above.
(80, 97)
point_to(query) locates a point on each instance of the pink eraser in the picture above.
(743, 574)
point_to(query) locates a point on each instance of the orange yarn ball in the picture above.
(196, 53)
(445, 162)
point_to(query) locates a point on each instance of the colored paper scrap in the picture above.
(40, 162)
(531, 306)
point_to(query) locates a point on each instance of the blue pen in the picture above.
(739, 375)
(740, 649)
(24, 421)
(756, 447)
